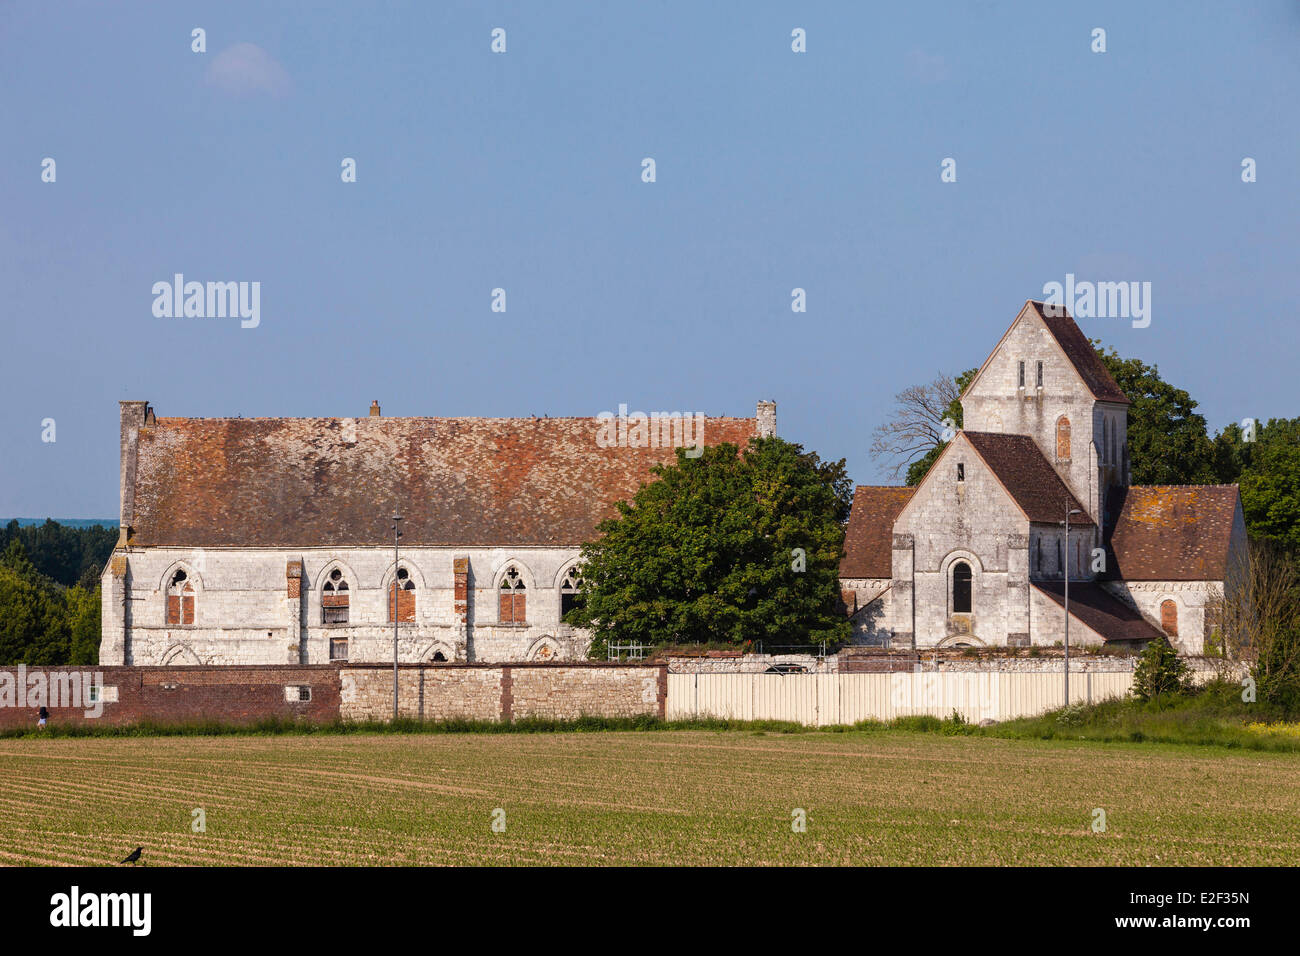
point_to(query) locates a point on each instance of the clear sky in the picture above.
(523, 171)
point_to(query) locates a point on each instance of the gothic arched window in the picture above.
(404, 589)
(961, 581)
(1063, 438)
(569, 588)
(180, 600)
(511, 589)
(334, 599)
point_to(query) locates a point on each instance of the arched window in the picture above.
(961, 602)
(1063, 438)
(180, 600)
(569, 589)
(1060, 561)
(334, 599)
(1038, 555)
(1169, 617)
(404, 589)
(513, 608)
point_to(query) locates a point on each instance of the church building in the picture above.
(1036, 483)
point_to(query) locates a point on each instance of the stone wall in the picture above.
(504, 692)
(564, 693)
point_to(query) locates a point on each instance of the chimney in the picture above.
(766, 416)
(134, 416)
(374, 409)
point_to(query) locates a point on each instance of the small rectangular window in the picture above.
(297, 693)
(339, 649)
(1021, 378)
(961, 471)
(1040, 374)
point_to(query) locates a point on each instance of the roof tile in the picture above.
(311, 482)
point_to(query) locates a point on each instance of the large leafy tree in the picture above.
(1267, 467)
(1167, 438)
(725, 547)
(33, 626)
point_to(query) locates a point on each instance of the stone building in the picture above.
(268, 540)
(976, 553)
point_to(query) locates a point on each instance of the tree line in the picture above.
(49, 592)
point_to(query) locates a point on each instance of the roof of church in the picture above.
(1076, 347)
(1170, 532)
(310, 482)
(1102, 611)
(1019, 464)
(869, 538)
(1081, 354)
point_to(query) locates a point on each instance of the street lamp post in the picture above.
(396, 534)
(1066, 524)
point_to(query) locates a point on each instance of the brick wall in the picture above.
(238, 694)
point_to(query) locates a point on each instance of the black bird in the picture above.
(133, 855)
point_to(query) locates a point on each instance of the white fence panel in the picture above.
(823, 699)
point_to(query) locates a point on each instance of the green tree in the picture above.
(83, 612)
(723, 547)
(1159, 672)
(1268, 470)
(1167, 438)
(33, 625)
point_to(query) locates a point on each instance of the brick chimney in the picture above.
(374, 409)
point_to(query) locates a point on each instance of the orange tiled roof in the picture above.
(869, 538)
(1170, 532)
(1102, 611)
(307, 482)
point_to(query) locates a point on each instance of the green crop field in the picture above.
(660, 797)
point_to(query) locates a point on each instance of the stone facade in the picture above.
(266, 541)
(1045, 431)
(239, 619)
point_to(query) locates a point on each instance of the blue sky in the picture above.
(522, 171)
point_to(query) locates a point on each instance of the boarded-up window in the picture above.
(513, 608)
(1063, 437)
(1169, 617)
(404, 588)
(334, 599)
(180, 600)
